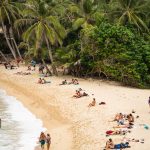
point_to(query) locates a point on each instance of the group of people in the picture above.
(73, 81)
(79, 94)
(124, 122)
(45, 139)
(43, 81)
(110, 145)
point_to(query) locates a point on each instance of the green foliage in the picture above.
(99, 38)
(121, 55)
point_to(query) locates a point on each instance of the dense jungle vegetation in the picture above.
(91, 38)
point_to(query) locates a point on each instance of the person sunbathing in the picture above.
(40, 81)
(125, 125)
(118, 117)
(109, 144)
(72, 81)
(75, 82)
(93, 103)
(44, 81)
(63, 82)
(117, 132)
(77, 94)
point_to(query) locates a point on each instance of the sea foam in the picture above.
(29, 126)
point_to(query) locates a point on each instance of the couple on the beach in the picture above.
(45, 139)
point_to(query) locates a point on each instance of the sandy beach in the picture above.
(72, 125)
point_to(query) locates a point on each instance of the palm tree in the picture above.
(130, 11)
(87, 9)
(44, 28)
(8, 13)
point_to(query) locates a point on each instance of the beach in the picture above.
(72, 125)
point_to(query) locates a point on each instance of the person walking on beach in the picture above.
(42, 139)
(48, 141)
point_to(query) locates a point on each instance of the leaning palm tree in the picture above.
(43, 27)
(8, 13)
(130, 12)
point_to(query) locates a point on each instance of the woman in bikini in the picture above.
(42, 139)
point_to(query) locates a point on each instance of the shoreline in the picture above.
(49, 114)
(69, 121)
(22, 117)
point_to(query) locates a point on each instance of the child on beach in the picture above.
(42, 139)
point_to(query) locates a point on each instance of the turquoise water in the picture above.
(20, 129)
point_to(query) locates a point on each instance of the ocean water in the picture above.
(20, 128)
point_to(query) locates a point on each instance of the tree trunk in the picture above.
(51, 57)
(8, 43)
(47, 69)
(3, 56)
(13, 39)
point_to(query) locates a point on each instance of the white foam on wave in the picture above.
(30, 126)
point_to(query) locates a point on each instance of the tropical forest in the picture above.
(102, 39)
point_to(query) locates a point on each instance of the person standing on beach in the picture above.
(48, 141)
(42, 139)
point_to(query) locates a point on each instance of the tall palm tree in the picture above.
(130, 11)
(44, 28)
(8, 13)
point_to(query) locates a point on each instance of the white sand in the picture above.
(72, 125)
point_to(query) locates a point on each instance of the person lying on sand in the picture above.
(110, 145)
(72, 81)
(63, 82)
(127, 125)
(77, 94)
(117, 132)
(44, 81)
(93, 103)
